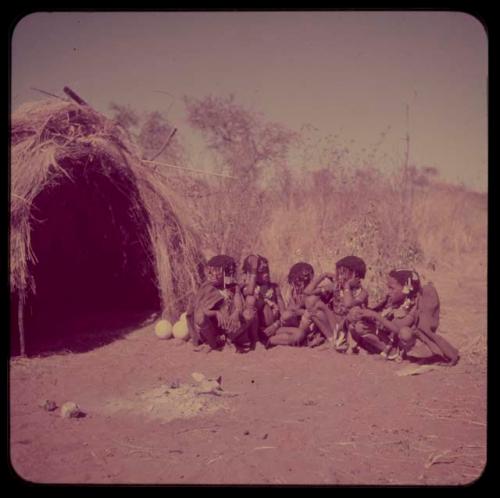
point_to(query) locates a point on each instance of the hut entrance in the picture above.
(94, 277)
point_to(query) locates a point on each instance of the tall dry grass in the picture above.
(325, 215)
(451, 223)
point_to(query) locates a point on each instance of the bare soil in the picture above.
(291, 416)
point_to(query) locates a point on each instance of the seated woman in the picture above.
(389, 328)
(215, 314)
(295, 322)
(263, 298)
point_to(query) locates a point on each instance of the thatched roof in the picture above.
(49, 139)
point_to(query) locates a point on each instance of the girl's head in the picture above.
(221, 271)
(350, 267)
(402, 284)
(263, 273)
(300, 275)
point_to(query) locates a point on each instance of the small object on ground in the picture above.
(71, 410)
(175, 384)
(181, 330)
(163, 329)
(436, 458)
(310, 402)
(202, 348)
(48, 405)
(341, 345)
(246, 433)
(198, 377)
(209, 386)
(413, 370)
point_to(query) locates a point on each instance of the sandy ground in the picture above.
(288, 415)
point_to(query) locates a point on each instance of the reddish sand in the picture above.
(301, 416)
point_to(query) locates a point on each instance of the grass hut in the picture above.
(94, 231)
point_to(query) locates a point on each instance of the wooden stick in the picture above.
(67, 90)
(48, 93)
(188, 169)
(164, 145)
(20, 322)
(198, 429)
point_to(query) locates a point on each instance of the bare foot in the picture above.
(202, 348)
(272, 329)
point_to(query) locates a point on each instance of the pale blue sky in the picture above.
(350, 73)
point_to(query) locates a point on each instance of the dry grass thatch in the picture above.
(49, 139)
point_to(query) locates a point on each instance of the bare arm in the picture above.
(312, 288)
(238, 303)
(251, 276)
(280, 300)
(222, 319)
(250, 281)
(393, 326)
(350, 301)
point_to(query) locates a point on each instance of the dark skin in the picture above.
(396, 298)
(251, 277)
(260, 277)
(322, 315)
(293, 336)
(350, 282)
(225, 320)
(395, 326)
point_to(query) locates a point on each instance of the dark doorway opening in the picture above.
(95, 277)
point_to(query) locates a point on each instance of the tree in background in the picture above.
(151, 131)
(249, 150)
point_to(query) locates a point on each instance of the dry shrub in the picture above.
(451, 223)
(337, 214)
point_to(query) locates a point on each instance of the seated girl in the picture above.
(295, 321)
(389, 328)
(263, 298)
(215, 315)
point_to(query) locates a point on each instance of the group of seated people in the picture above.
(329, 309)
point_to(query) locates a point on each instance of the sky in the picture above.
(347, 73)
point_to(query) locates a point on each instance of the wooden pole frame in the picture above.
(20, 323)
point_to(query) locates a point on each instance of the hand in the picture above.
(328, 286)
(233, 322)
(355, 314)
(369, 314)
(352, 282)
(222, 319)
